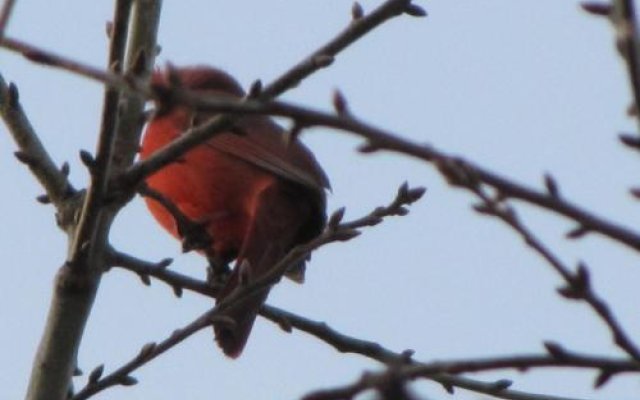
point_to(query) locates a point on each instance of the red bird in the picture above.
(257, 194)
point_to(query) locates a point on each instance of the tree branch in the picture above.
(324, 56)
(318, 59)
(578, 284)
(31, 151)
(334, 232)
(499, 389)
(45, 57)
(441, 372)
(378, 139)
(147, 353)
(5, 15)
(347, 344)
(623, 17)
(139, 63)
(78, 280)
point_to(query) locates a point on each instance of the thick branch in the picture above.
(140, 61)
(93, 211)
(77, 282)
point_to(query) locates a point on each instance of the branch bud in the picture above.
(323, 60)
(43, 199)
(88, 160)
(415, 10)
(356, 11)
(336, 218)
(339, 103)
(14, 95)
(127, 380)
(64, 169)
(95, 375)
(597, 8)
(555, 350)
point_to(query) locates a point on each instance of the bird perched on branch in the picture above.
(256, 194)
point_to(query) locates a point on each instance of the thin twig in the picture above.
(623, 17)
(49, 58)
(5, 15)
(578, 284)
(500, 388)
(334, 232)
(31, 150)
(323, 56)
(148, 352)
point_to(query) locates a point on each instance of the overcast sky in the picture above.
(522, 87)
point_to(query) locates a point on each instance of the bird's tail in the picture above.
(233, 337)
(280, 222)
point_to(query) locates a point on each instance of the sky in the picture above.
(523, 88)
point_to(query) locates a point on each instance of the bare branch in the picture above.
(331, 234)
(441, 372)
(498, 389)
(160, 271)
(5, 15)
(92, 209)
(51, 59)
(578, 286)
(31, 150)
(379, 139)
(77, 282)
(318, 59)
(148, 352)
(139, 63)
(623, 17)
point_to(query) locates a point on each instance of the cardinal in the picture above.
(257, 194)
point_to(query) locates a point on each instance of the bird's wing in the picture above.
(251, 152)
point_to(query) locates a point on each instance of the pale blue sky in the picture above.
(521, 87)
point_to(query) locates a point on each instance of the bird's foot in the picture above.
(217, 273)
